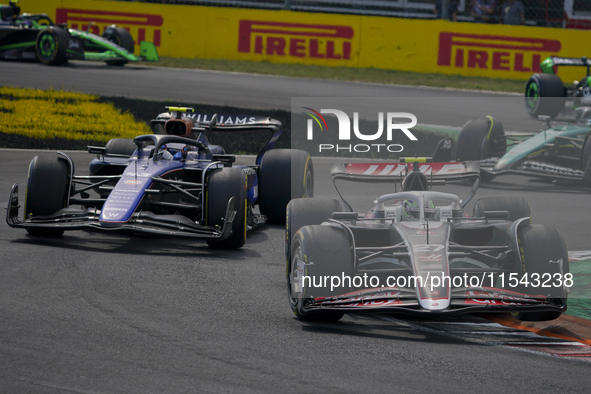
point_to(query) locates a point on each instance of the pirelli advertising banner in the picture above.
(429, 46)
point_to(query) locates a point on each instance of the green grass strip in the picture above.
(374, 75)
(579, 299)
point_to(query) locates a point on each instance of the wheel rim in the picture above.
(47, 45)
(295, 277)
(532, 95)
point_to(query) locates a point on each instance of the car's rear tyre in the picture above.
(321, 251)
(120, 146)
(481, 138)
(47, 190)
(51, 45)
(306, 211)
(121, 37)
(518, 207)
(221, 186)
(284, 174)
(544, 95)
(542, 252)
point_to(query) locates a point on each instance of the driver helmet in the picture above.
(411, 211)
(164, 154)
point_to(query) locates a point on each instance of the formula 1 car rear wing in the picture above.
(202, 122)
(413, 173)
(388, 172)
(549, 64)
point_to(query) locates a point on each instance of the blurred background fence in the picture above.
(573, 14)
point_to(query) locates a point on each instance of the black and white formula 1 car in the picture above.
(172, 183)
(418, 252)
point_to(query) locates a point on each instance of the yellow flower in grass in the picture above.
(57, 114)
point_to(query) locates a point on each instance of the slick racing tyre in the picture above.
(221, 186)
(306, 211)
(481, 138)
(518, 207)
(284, 174)
(47, 190)
(51, 45)
(586, 153)
(317, 251)
(544, 95)
(120, 147)
(543, 255)
(121, 37)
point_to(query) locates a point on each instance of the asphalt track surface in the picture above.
(181, 86)
(96, 313)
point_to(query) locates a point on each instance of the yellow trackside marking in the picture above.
(306, 171)
(546, 331)
(491, 126)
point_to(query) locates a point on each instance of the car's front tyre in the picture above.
(221, 186)
(481, 138)
(543, 256)
(317, 252)
(121, 37)
(47, 191)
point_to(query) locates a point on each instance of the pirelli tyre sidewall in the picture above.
(586, 153)
(317, 251)
(517, 207)
(223, 184)
(51, 45)
(120, 146)
(284, 174)
(121, 37)
(481, 138)
(544, 95)
(543, 253)
(306, 211)
(47, 190)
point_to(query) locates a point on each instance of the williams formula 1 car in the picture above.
(171, 183)
(559, 151)
(35, 36)
(546, 94)
(418, 252)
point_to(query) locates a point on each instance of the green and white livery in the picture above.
(36, 37)
(559, 151)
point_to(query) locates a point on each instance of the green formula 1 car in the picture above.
(560, 151)
(35, 36)
(546, 94)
